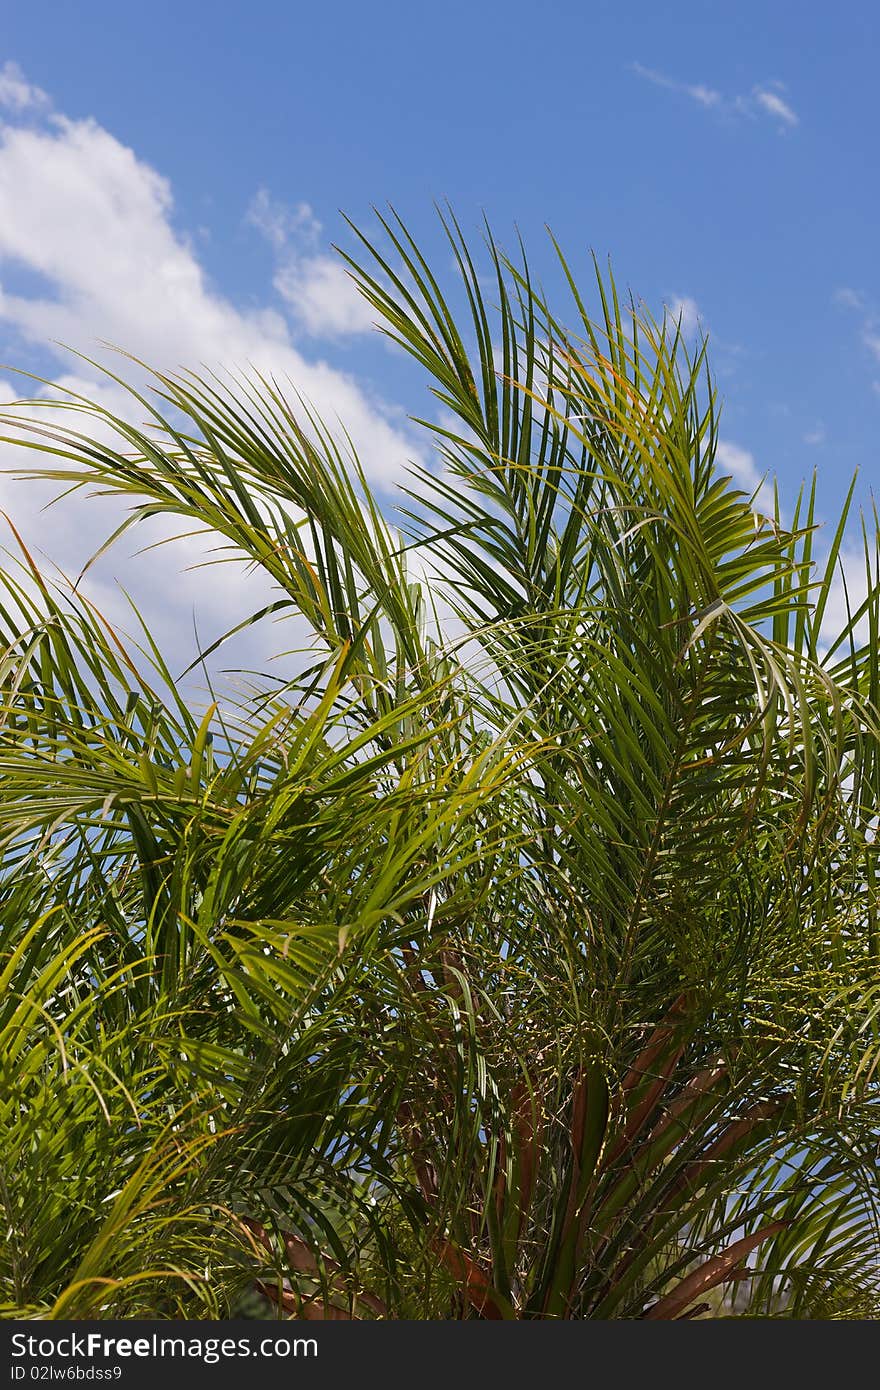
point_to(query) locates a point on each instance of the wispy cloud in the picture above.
(773, 103)
(815, 436)
(17, 94)
(871, 339)
(763, 99)
(684, 313)
(849, 298)
(281, 223)
(697, 91)
(869, 327)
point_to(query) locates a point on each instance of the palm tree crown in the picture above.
(515, 957)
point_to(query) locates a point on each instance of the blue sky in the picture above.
(170, 179)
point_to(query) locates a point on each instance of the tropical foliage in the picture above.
(517, 955)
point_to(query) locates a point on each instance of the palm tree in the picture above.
(516, 957)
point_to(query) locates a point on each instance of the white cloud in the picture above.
(815, 436)
(323, 297)
(78, 208)
(16, 93)
(847, 593)
(279, 223)
(849, 298)
(871, 339)
(698, 91)
(855, 300)
(94, 224)
(316, 287)
(685, 311)
(169, 590)
(706, 96)
(740, 464)
(773, 103)
(764, 100)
